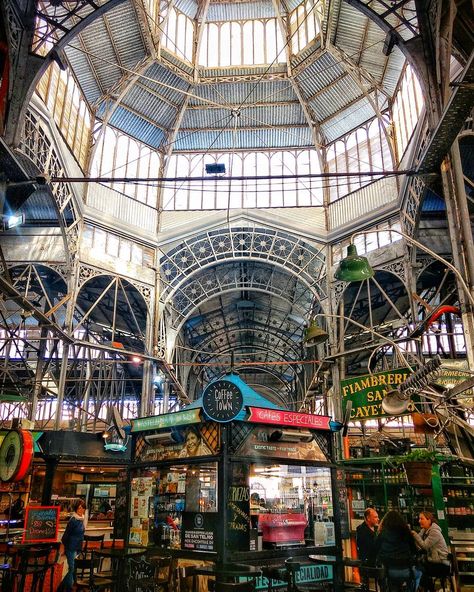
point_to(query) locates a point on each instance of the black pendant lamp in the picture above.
(314, 334)
(354, 267)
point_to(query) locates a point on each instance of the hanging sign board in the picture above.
(41, 524)
(366, 393)
(450, 374)
(169, 420)
(222, 401)
(290, 419)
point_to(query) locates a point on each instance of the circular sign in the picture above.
(16, 454)
(222, 401)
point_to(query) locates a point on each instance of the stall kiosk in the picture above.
(233, 477)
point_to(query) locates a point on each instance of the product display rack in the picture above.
(384, 487)
(458, 489)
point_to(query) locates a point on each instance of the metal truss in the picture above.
(226, 277)
(265, 244)
(57, 22)
(40, 149)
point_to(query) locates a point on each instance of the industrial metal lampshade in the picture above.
(354, 267)
(314, 334)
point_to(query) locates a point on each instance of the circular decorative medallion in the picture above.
(222, 401)
(16, 454)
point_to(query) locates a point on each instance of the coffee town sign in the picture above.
(222, 401)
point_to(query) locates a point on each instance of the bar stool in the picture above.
(445, 574)
(398, 579)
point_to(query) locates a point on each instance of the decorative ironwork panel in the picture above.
(275, 246)
(239, 434)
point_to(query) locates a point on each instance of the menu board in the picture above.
(340, 489)
(238, 508)
(41, 524)
(198, 531)
(121, 510)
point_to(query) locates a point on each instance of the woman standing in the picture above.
(431, 541)
(72, 540)
(396, 549)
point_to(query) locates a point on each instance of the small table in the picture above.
(224, 571)
(323, 559)
(118, 559)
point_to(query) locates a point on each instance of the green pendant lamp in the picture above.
(354, 267)
(11, 398)
(314, 334)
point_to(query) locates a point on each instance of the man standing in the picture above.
(365, 540)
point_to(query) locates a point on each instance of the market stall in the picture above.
(233, 476)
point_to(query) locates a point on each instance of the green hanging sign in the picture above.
(169, 420)
(366, 393)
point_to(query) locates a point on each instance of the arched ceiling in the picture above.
(140, 81)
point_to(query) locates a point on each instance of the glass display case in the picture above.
(162, 499)
(291, 505)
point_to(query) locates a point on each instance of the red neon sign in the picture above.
(289, 419)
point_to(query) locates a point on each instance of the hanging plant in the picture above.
(418, 464)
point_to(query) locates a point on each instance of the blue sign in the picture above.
(306, 574)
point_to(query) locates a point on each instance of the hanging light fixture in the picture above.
(354, 267)
(314, 334)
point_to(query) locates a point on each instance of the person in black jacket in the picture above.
(72, 540)
(396, 549)
(365, 540)
(365, 537)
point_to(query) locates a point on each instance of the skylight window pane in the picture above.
(302, 39)
(195, 199)
(213, 55)
(311, 26)
(121, 161)
(236, 44)
(202, 59)
(225, 45)
(113, 245)
(180, 35)
(188, 51)
(270, 41)
(208, 199)
(248, 42)
(259, 42)
(170, 33)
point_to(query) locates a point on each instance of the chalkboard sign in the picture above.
(41, 524)
(238, 509)
(341, 504)
(121, 509)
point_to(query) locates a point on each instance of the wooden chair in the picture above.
(164, 571)
(86, 576)
(187, 579)
(293, 568)
(91, 542)
(29, 563)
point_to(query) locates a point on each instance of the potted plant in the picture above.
(418, 465)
